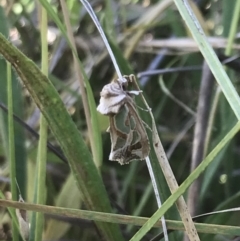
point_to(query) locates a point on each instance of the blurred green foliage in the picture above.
(163, 43)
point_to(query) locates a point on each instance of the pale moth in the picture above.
(128, 135)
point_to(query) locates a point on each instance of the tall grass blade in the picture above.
(158, 175)
(37, 222)
(209, 55)
(170, 201)
(99, 27)
(97, 140)
(11, 146)
(65, 131)
(20, 149)
(117, 218)
(93, 16)
(68, 197)
(158, 198)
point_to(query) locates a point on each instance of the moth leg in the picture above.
(134, 92)
(130, 78)
(146, 125)
(143, 109)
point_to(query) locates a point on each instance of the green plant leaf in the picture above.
(97, 150)
(209, 55)
(65, 131)
(194, 175)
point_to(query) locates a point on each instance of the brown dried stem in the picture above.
(169, 176)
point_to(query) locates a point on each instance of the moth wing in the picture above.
(110, 105)
(128, 135)
(112, 99)
(120, 134)
(140, 147)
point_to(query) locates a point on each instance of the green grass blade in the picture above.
(109, 18)
(233, 27)
(20, 149)
(223, 218)
(117, 218)
(97, 143)
(65, 131)
(195, 174)
(160, 187)
(209, 55)
(37, 221)
(78, 70)
(142, 203)
(39, 186)
(11, 146)
(211, 172)
(68, 197)
(231, 12)
(159, 177)
(127, 69)
(228, 18)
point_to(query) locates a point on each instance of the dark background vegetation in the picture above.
(128, 185)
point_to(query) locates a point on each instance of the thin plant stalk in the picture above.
(209, 55)
(157, 195)
(118, 218)
(81, 83)
(170, 95)
(98, 25)
(97, 149)
(109, 19)
(40, 189)
(169, 176)
(127, 181)
(150, 16)
(142, 203)
(183, 187)
(11, 146)
(92, 14)
(233, 29)
(199, 136)
(228, 51)
(180, 136)
(211, 119)
(94, 18)
(75, 149)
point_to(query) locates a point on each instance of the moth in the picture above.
(128, 135)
